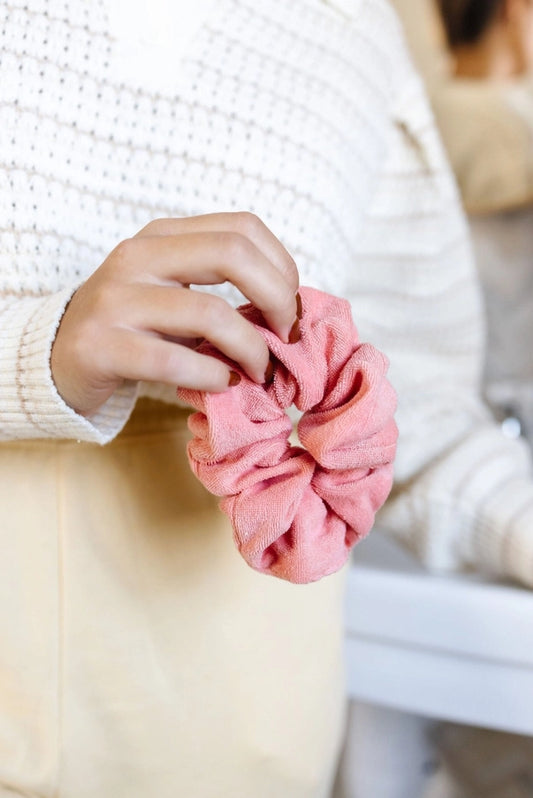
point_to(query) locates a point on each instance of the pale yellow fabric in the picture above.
(140, 657)
(425, 36)
(489, 140)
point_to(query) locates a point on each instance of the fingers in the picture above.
(243, 223)
(152, 359)
(215, 248)
(179, 313)
(214, 258)
(133, 318)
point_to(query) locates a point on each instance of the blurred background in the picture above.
(440, 668)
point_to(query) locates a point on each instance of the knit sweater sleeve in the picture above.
(463, 494)
(30, 406)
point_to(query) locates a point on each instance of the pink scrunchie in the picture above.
(297, 512)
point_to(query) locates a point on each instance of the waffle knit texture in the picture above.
(311, 116)
(296, 512)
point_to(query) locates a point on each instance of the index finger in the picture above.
(245, 224)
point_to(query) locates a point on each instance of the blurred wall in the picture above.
(424, 35)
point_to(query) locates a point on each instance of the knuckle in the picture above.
(166, 363)
(156, 227)
(237, 248)
(215, 313)
(248, 224)
(103, 301)
(124, 252)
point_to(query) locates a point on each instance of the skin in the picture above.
(136, 318)
(505, 51)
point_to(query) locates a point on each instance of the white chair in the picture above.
(423, 647)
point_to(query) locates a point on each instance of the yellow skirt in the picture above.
(140, 657)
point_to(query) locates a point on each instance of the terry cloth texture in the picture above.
(296, 513)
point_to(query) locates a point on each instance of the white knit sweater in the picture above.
(311, 116)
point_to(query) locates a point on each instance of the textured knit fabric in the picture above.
(312, 117)
(296, 513)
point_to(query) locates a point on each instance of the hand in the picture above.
(137, 319)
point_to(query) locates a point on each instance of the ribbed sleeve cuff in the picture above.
(502, 541)
(472, 509)
(30, 406)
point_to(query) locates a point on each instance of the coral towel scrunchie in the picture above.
(296, 512)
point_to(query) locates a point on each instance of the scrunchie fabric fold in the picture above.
(296, 511)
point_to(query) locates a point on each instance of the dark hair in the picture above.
(465, 21)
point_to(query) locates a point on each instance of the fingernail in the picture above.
(295, 335)
(269, 373)
(299, 311)
(234, 379)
